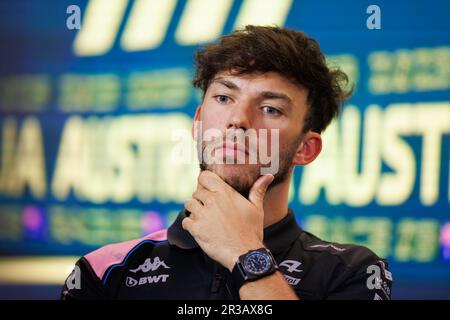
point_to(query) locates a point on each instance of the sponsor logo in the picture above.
(131, 282)
(291, 280)
(148, 265)
(291, 265)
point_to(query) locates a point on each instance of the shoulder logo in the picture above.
(148, 265)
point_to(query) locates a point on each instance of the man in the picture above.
(236, 237)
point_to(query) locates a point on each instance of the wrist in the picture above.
(252, 266)
(234, 257)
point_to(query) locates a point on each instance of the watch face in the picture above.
(257, 263)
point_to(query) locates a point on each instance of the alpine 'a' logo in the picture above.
(291, 265)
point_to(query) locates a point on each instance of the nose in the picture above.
(240, 117)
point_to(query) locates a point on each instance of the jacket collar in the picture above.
(277, 237)
(179, 237)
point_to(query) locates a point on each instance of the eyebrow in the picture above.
(229, 84)
(276, 95)
(265, 94)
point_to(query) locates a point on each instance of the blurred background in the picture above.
(87, 120)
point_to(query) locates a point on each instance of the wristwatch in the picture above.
(253, 265)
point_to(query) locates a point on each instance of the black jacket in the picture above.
(169, 264)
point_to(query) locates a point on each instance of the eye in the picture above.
(271, 110)
(222, 99)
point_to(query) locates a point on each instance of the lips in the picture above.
(234, 146)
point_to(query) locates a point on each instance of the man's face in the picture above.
(245, 103)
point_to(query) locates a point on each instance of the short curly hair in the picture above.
(291, 53)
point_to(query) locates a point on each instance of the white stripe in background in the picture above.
(263, 12)
(36, 270)
(99, 27)
(202, 21)
(147, 24)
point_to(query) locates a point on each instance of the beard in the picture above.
(241, 177)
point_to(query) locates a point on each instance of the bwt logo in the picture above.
(146, 25)
(131, 282)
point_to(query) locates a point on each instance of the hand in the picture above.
(223, 222)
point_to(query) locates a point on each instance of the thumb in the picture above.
(259, 188)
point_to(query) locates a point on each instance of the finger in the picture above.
(187, 223)
(211, 181)
(258, 190)
(193, 206)
(201, 194)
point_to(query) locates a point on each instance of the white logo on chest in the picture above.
(291, 265)
(148, 265)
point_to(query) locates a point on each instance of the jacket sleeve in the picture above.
(367, 282)
(82, 284)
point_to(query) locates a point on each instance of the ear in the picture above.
(194, 123)
(309, 148)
